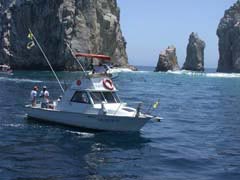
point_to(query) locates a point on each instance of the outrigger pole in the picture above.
(76, 59)
(46, 60)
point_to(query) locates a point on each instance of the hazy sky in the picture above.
(150, 26)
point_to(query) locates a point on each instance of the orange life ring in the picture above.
(108, 84)
(78, 82)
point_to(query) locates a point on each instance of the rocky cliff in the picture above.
(195, 54)
(88, 26)
(167, 60)
(229, 40)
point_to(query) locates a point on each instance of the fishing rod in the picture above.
(34, 38)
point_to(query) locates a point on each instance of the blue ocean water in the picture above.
(199, 137)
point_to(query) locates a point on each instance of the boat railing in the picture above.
(138, 109)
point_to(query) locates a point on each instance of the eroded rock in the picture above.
(167, 60)
(229, 40)
(195, 54)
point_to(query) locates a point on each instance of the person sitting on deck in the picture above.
(45, 95)
(33, 95)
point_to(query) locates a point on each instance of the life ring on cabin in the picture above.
(108, 84)
(78, 82)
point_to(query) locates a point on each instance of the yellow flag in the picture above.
(156, 104)
(30, 35)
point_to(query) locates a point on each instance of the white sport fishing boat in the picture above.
(90, 102)
(5, 70)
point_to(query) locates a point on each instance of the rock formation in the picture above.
(229, 40)
(88, 26)
(195, 54)
(167, 60)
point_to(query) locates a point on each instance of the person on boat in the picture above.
(45, 95)
(33, 95)
(100, 69)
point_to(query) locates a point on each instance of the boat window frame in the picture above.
(114, 95)
(89, 98)
(90, 94)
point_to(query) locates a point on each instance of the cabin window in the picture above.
(80, 97)
(111, 97)
(97, 97)
(116, 97)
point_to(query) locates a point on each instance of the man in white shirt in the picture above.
(45, 95)
(33, 95)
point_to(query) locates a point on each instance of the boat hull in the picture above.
(89, 121)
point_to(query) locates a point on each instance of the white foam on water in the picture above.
(203, 74)
(82, 134)
(13, 125)
(19, 80)
(223, 75)
(185, 72)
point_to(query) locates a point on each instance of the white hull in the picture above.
(97, 122)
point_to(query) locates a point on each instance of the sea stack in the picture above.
(167, 60)
(86, 26)
(195, 54)
(229, 40)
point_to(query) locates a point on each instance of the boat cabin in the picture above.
(93, 95)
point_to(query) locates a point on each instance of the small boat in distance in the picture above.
(5, 70)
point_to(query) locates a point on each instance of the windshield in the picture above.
(80, 97)
(97, 97)
(109, 97)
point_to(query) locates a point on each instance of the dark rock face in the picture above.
(88, 26)
(195, 54)
(167, 60)
(229, 40)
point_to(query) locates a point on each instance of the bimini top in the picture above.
(97, 56)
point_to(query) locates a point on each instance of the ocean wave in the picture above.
(204, 74)
(223, 75)
(19, 80)
(14, 125)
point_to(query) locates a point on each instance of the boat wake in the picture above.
(19, 80)
(82, 134)
(203, 74)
